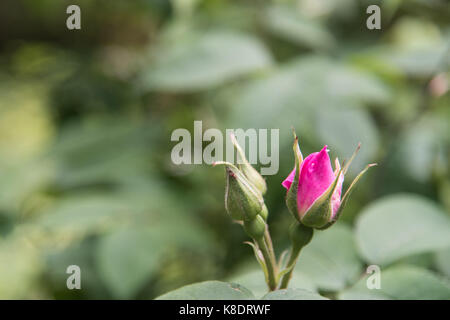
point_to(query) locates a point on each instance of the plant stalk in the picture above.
(270, 263)
(268, 240)
(295, 252)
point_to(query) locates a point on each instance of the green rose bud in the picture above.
(242, 201)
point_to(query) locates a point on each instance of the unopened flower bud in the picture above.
(314, 188)
(242, 201)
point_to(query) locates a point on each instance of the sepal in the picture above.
(347, 195)
(247, 169)
(291, 195)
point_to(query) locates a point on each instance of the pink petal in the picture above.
(288, 181)
(316, 175)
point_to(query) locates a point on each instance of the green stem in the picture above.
(295, 252)
(268, 241)
(269, 263)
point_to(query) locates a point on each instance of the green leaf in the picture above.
(442, 261)
(201, 62)
(20, 180)
(254, 281)
(293, 294)
(343, 128)
(290, 25)
(419, 56)
(419, 145)
(304, 90)
(78, 215)
(20, 267)
(80, 254)
(25, 120)
(401, 225)
(422, 54)
(304, 83)
(209, 290)
(127, 258)
(138, 251)
(330, 260)
(86, 153)
(401, 282)
(421, 260)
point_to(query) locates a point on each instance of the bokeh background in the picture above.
(86, 117)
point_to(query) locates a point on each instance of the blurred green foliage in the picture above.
(86, 118)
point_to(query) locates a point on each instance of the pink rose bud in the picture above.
(314, 195)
